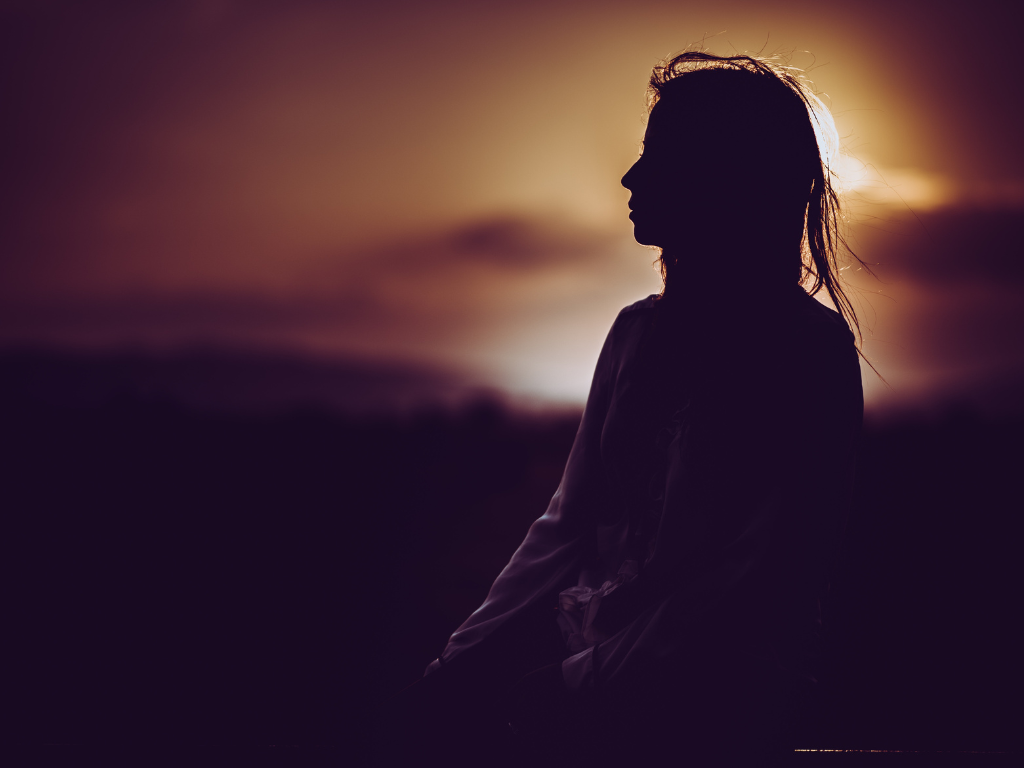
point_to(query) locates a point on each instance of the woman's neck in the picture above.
(691, 274)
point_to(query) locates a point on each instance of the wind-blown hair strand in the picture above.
(823, 241)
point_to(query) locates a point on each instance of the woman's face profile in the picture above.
(673, 183)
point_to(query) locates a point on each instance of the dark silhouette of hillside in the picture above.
(228, 381)
(202, 576)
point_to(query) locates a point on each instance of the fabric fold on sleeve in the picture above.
(558, 542)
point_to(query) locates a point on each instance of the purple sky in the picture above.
(438, 182)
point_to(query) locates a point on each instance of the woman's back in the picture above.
(725, 452)
(727, 440)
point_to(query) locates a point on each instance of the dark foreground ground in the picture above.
(241, 588)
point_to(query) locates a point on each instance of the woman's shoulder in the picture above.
(811, 321)
(634, 316)
(641, 307)
(821, 344)
(794, 337)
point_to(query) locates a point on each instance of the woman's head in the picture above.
(735, 164)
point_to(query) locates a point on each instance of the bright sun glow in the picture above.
(865, 184)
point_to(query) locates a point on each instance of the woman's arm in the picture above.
(557, 543)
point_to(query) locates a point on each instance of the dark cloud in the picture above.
(946, 314)
(418, 290)
(506, 243)
(516, 243)
(944, 319)
(950, 246)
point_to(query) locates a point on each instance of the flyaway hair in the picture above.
(799, 139)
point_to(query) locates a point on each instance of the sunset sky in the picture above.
(438, 182)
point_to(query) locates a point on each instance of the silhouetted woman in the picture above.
(667, 604)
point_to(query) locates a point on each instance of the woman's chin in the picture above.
(646, 235)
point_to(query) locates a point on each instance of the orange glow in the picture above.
(298, 175)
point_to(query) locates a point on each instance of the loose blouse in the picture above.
(704, 497)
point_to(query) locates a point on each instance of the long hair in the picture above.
(806, 144)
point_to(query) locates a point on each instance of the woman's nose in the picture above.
(630, 177)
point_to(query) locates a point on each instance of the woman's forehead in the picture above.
(669, 125)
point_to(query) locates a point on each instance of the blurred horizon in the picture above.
(436, 187)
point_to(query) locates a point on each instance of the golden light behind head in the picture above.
(244, 174)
